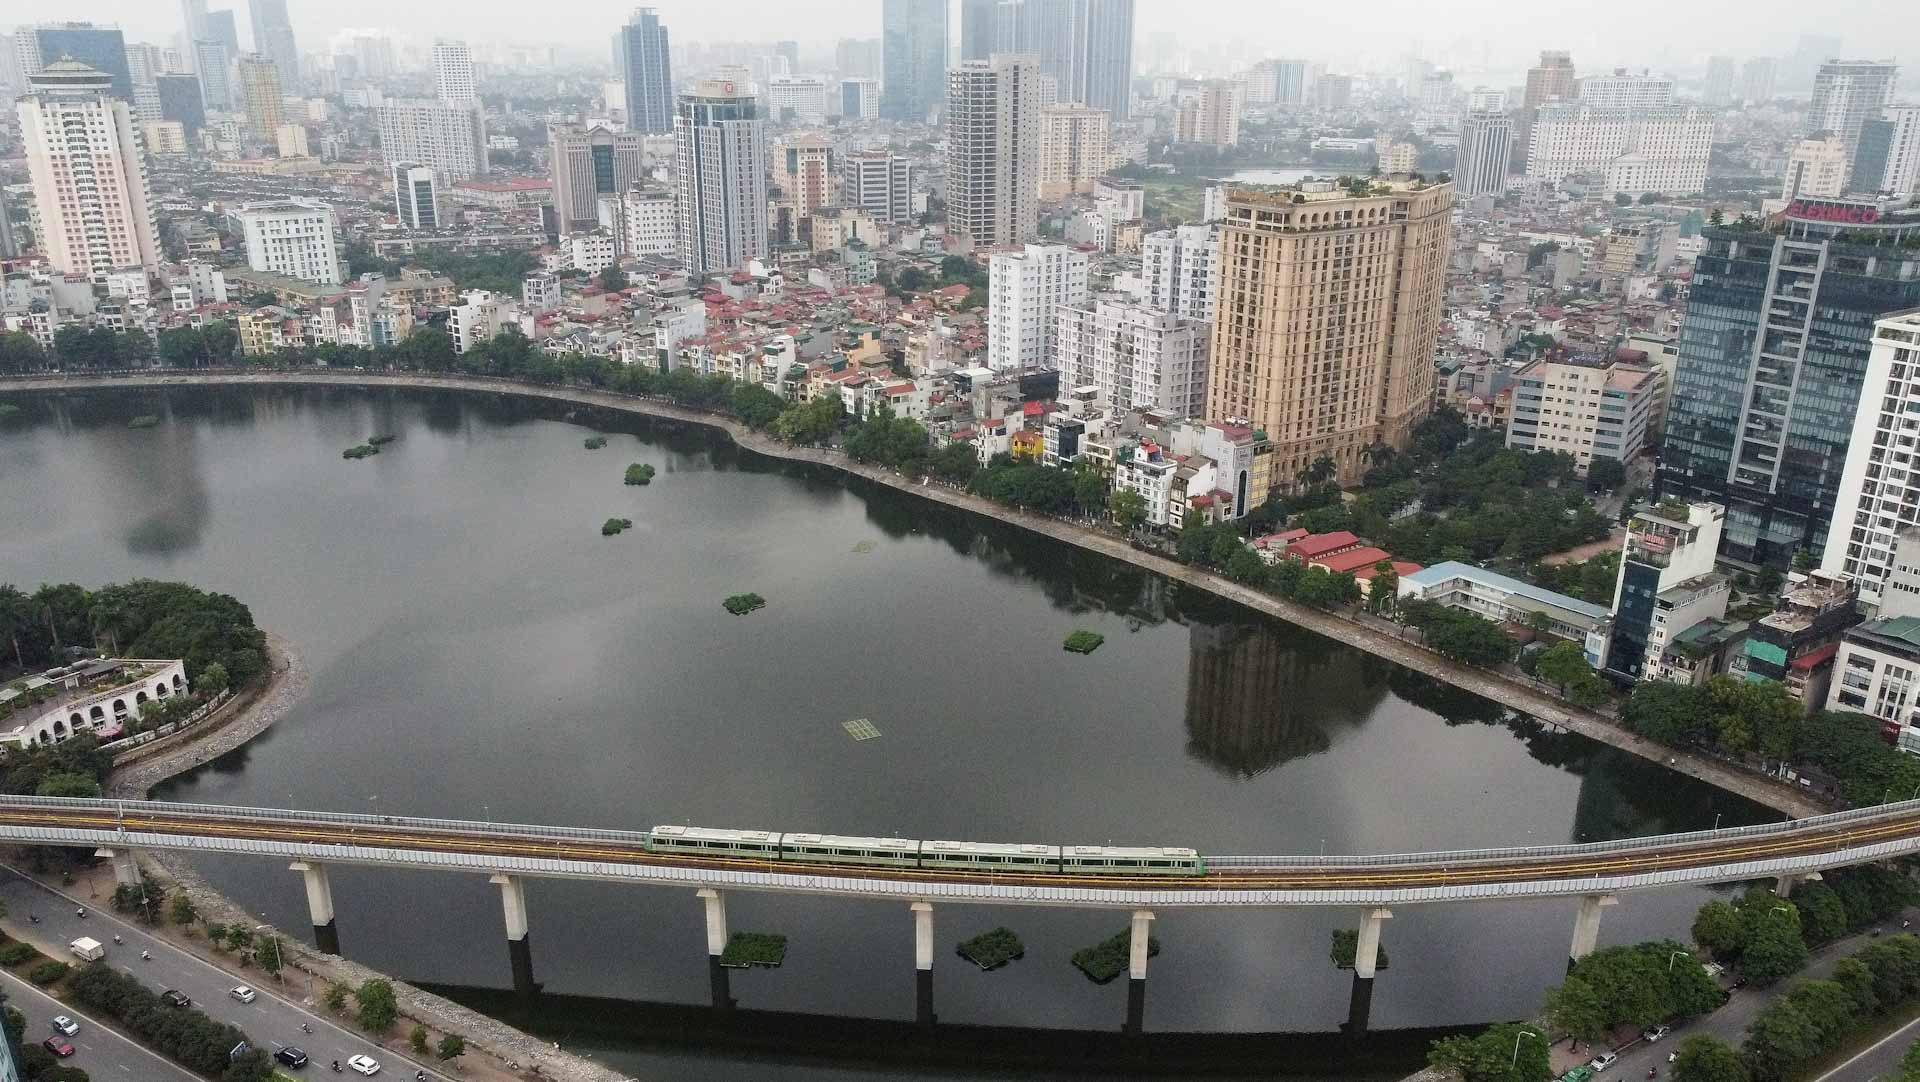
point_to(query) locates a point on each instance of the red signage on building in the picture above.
(1815, 210)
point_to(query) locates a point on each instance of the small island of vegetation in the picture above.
(381, 441)
(1107, 959)
(745, 949)
(991, 950)
(615, 525)
(1084, 642)
(594, 443)
(742, 604)
(1346, 945)
(639, 474)
(365, 450)
(145, 420)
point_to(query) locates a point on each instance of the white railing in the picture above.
(199, 715)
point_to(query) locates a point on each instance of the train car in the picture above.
(990, 856)
(1116, 860)
(840, 849)
(707, 841)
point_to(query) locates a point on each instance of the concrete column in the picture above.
(716, 905)
(326, 935)
(1586, 926)
(126, 869)
(1137, 971)
(923, 962)
(513, 900)
(1784, 885)
(1366, 954)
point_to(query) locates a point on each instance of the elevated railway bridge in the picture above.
(1594, 873)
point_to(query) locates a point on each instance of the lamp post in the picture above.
(1671, 955)
(278, 961)
(1515, 1062)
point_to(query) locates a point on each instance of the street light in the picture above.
(278, 961)
(1516, 1046)
(1671, 955)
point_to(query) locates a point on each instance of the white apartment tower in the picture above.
(1625, 90)
(801, 98)
(1635, 151)
(993, 150)
(649, 222)
(879, 183)
(1817, 169)
(453, 79)
(292, 237)
(1879, 486)
(1181, 268)
(89, 172)
(1025, 288)
(1486, 147)
(1139, 356)
(720, 168)
(1848, 93)
(450, 138)
(1210, 117)
(1075, 147)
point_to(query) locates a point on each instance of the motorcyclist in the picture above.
(336, 1066)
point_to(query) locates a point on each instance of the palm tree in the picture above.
(1324, 469)
(110, 620)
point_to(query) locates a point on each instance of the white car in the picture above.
(1654, 1033)
(63, 1024)
(1603, 1061)
(365, 1065)
(243, 994)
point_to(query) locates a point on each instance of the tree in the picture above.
(613, 280)
(813, 422)
(1802, 560)
(1561, 664)
(21, 352)
(1716, 217)
(417, 1039)
(1384, 590)
(451, 1046)
(1322, 470)
(335, 997)
(68, 784)
(270, 956)
(1781, 1040)
(1664, 711)
(1774, 947)
(912, 280)
(1909, 1065)
(220, 339)
(1705, 1058)
(1605, 474)
(213, 679)
(1247, 568)
(756, 406)
(1622, 199)
(1574, 1006)
(239, 937)
(1719, 928)
(1504, 1053)
(425, 348)
(1129, 508)
(378, 1009)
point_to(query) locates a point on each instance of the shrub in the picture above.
(452, 1045)
(639, 474)
(742, 604)
(1108, 958)
(991, 950)
(379, 1010)
(594, 443)
(14, 954)
(417, 1039)
(754, 949)
(47, 972)
(187, 1036)
(614, 526)
(363, 450)
(335, 997)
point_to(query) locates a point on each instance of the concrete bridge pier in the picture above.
(1137, 972)
(1784, 885)
(923, 962)
(326, 935)
(513, 900)
(1586, 926)
(716, 904)
(126, 868)
(1365, 956)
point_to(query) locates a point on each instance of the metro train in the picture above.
(908, 853)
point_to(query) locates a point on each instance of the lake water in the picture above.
(478, 649)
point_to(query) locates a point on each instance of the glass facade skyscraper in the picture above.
(913, 57)
(648, 73)
(1770, 364)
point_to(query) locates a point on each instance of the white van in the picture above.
(88, 949)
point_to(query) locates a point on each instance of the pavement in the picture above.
(99, 1051)
(271, 1021)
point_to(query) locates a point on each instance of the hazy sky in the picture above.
(1468, 34)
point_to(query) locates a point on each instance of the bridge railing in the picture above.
(637, 838)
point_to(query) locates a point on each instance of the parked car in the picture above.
(173, 997)
(291, 1057)
(63, 1024)
(243, 994)
(1603, 1061)
(1577, 1074)
(365, 1065)
(1654, 1033)
(58, 1045)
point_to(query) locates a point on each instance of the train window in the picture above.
(1159, 864)
(989, 860)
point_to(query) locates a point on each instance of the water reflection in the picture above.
(1255, 701)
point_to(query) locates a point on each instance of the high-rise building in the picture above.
(451, 139)
(89, 172)
(1879, 497)
(800, 98)
(913, 57)
(649, 223)
(1586, 410)
(1901, 132)
(1626, 90)
(1286, 83)
(647, 72)
(1139, 356)
(1181, 268)
(221, 28)
(860, 99)
(857, 58)
(1025, 287)
(193, 22)
(1273, 363)
(1333, 91)
(144, 64)
(1817, 169)
(1756, 80)
(1211, 116)
(993, 150)
(1719, 89)
(1770, 364)
(416, 193)
(13, 80)
(453, 79)
(273, 38)
(1076, 146)
(1100, 72)
(1667, 585)
(1486, 149)
(180, 100)
(996, 26)
(806, 173)
(720, 171)
(1847, 93)
(102, 48)
(879, 183)
(1550, 80)
(260, 94)
(214, 65)
(788, 51)
(589, 163)
(292, 237)
(1633, 151)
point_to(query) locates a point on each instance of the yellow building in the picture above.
(265, 331)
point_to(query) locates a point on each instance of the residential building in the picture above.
(1635, 151)
(479, 317)
(1666, 584)
(144, 64)
(165, 136)
(1817, 169)
(993, 150)
(1025, 288)
(879, 183)
(1898, 592)
(1396, 156)
(650, 223)
(1887, 159)
(1486, 148)
(1139, 356)
(1720, 90)
(1756, 80)
(1878, 501)
(1084, 47)
(1848, 93)
(1075, 148)
(797, 99)
(290, 141)
(860, 99)
(806, 164)
(1211, 116)
(1181, 270)
(1770, 366)
(913, 57)
(834, 228)
(1551, 80)
(1878, 674)
(647, 73)
(453, 78)
(450, 139)
(540, 292)
(591, 252)
(89, 173)
(1585, 410)
(589, 163)
(273, 38)
(294, 237)
(259, 84)
(213, 63)
(1625, 90)
(1272, 362)
(1797, 642)
(1509, 601)
(720, 170)
(416, 194)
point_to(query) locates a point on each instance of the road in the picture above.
(271, 1021)
(99, 1051)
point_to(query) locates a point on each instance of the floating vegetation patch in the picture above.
(1084, 642)
(864, 547)
(145, 420)
(365, 450)
(746, 949)
(615, 525)
(639, 474)
(991, 950)
(860, 729)
(1107, 959)
(742, 604)
(381, 441)
(594, 443)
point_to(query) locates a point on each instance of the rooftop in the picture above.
(1454, 569)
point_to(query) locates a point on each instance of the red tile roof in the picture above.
(1353, 559)
(1316, 545)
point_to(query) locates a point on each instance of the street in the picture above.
(271, 1021)
(98, 1050)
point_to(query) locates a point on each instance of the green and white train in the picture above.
(908, 853)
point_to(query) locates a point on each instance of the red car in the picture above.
(58, 1045)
